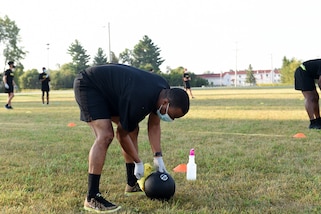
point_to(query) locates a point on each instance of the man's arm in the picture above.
(127, 143)
(41, 78)
(154, 132)
(4, 79)
(154, 135)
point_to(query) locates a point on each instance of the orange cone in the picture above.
(71, 125)
(180, 168)
(299, 135)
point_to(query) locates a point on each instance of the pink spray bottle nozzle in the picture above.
(191, 152)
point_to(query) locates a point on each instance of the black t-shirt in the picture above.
(10, 75)
(130, 93)
(45, 82)
(313, 67)
(186, 75)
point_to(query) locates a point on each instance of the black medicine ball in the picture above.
(160, 186)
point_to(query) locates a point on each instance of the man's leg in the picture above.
(10, 97)
(312, 104)
(47, 93)
(132, 187)
(312, 107)
(130, 166)
(42, 97)
(190, 91)
(104, 133)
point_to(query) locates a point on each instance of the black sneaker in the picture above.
(100, 205)
(134, 190)
(315, 124)
(7, 106)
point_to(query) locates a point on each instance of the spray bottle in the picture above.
(191, 166)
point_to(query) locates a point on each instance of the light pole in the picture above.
(272, 71)
(48, 56)
(109, 46)
(110, 56)
(235, 64)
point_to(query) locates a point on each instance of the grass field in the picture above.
(248, 160)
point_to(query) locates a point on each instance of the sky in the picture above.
(202, 36)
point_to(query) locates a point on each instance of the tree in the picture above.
(287, 70)
(126, 57)
(63, 78)
(79, 57)
(175, 78)
(114, 59)
(9, 38)
(100, 58)
(146, 55)
(250, 76)
(30, 79)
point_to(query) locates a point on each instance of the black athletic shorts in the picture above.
(303, 81)
(91, 102)
(9, 90)
(187, 85)
(45, 88)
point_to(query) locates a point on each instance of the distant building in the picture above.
(228, 78)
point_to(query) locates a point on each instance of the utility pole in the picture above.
(47, 56)
(110, 55)
(235, 64)
(272, 70)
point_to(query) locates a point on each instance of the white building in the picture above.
(228, 78)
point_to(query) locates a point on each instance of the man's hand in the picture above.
(139, 170)
(159, 164)
(6, 86)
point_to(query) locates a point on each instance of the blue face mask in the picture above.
(164, 117)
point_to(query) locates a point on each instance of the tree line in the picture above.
(145, 55)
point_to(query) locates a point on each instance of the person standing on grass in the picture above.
(124, 95)
(187, 79)
(44, 79)
(9, 83)
(305, 76)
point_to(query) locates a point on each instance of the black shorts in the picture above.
(303, 81)
(45, 88)
(187, 85)
(9, 90)
(91, 102)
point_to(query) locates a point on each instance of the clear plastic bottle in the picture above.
(191, 166)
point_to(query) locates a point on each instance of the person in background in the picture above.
(186, 79)
(124, 95)
(44, 79)
(305, 77)
(8, 81)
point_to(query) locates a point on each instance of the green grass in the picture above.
(248, 160)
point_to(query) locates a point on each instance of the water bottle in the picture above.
(191, 166)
